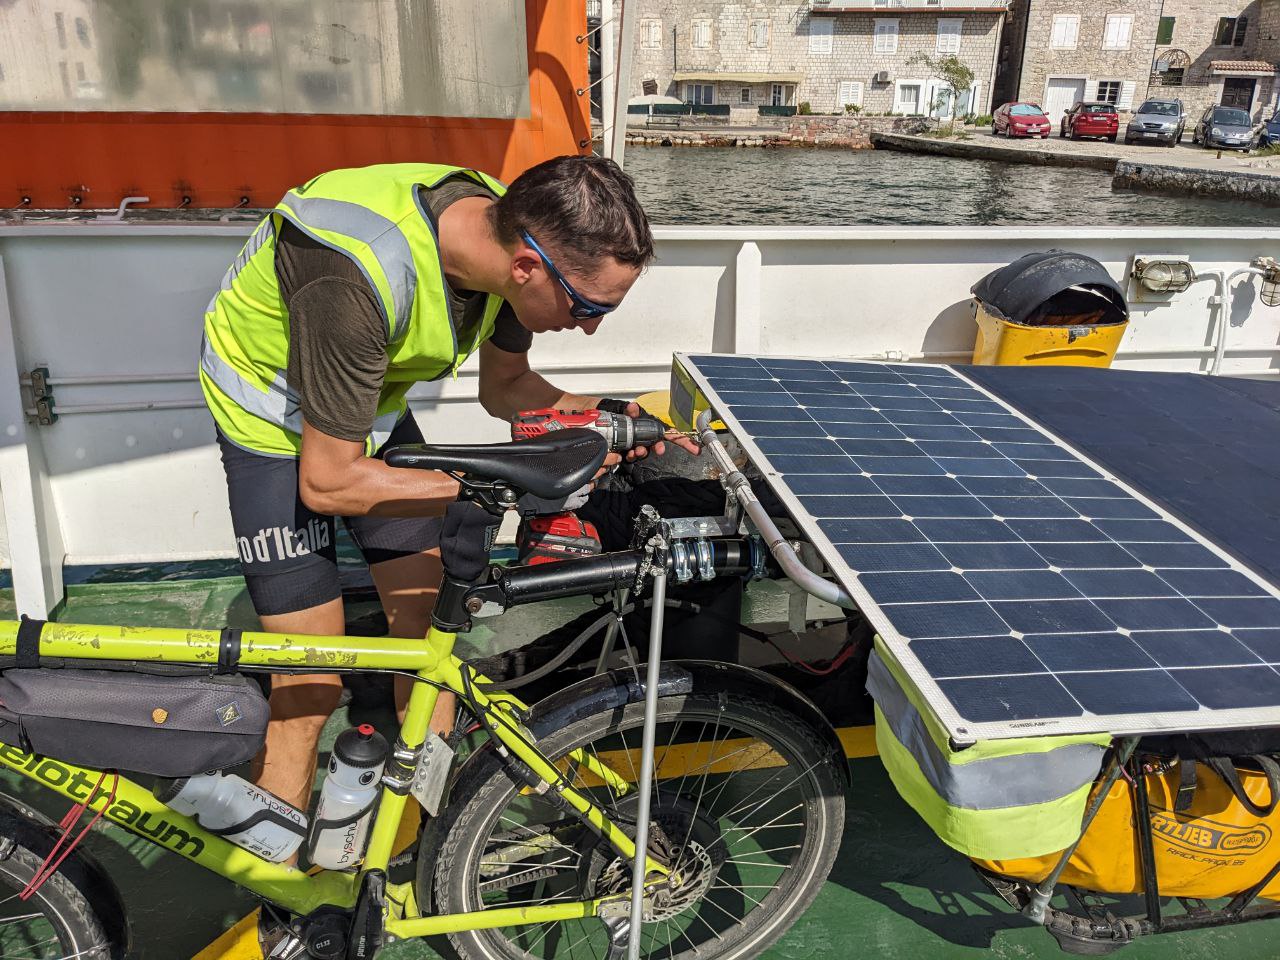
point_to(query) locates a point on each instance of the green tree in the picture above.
(955, 75)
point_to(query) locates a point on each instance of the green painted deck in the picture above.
(896, 891)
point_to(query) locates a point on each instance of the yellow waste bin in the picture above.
(1053, 307)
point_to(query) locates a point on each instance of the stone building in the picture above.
(1070, 50)
(1209, 52)
(831, 54)
(1203, 52)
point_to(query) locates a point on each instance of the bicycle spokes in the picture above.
(727, 821)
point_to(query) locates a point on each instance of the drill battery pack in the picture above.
(559, 537)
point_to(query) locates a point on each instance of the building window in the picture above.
(1164, 33)
(699, 93)
(821, 34)
(649, 87)
(782, 95)
(651, 34)
(949, 36)
(1231, 31)
(702, 34)
(1118, 30)
(744, 95)
(886, 36)
(82, 31)
(1066, 30)
(60, 24)
(849, 94)
(1172, 77)
(759, 38)
(1109, 91)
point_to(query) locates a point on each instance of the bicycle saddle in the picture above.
(549, 467)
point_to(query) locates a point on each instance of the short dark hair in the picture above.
(582, 208)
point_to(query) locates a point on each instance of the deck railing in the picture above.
(129, 472)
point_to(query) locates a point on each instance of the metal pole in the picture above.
(608, 74)
(646, 760)
(622, 76)
(1036, 908)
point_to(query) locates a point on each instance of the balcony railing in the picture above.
(593, 9)
(923, 6)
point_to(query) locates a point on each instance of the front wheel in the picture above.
(747, 811)
(56, 922)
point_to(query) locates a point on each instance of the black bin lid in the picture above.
(1015, 291)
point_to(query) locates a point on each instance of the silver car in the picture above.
(1226, 127)
(1157, 121)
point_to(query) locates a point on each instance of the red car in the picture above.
(1087, 119)
(1020, 119)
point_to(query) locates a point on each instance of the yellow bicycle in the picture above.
(730, 782)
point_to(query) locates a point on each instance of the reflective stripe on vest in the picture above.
(989, 784)
(278, 404)
(252, 246)
(384, 239)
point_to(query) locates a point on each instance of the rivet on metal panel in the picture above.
(244, 201)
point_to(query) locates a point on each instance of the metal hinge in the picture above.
(42, 397)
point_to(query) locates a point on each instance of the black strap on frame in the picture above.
(229, 650)
(28, 646)
(1186, 785)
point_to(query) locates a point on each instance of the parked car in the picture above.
(1020, 119)
(1090, 119)
(1226, 128)
(1158, 121)
(1271, 132)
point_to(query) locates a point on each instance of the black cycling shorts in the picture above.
(287, 550)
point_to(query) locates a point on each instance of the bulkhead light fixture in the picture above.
(1163, 276)
(1270, 293)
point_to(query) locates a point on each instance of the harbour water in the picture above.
(793, 187)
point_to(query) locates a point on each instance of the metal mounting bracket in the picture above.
(42, 397)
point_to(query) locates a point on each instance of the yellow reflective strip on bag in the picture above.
(996, 834)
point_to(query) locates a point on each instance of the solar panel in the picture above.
(1021, 587)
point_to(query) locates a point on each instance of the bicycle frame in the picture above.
(135, 809)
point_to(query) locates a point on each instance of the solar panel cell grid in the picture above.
(1016, 583)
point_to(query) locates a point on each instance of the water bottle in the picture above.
(239, 811)
(341, 825)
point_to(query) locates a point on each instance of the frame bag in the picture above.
(167, 726)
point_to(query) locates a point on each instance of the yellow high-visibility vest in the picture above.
(374, 216)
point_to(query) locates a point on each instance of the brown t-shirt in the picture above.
(337, 337)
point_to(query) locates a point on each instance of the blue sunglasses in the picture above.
(580, 308)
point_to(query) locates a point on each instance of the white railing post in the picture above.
(622, 79)
(748, 334)
(608, 75)
(36, 548)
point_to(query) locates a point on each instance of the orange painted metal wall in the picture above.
(251, 159)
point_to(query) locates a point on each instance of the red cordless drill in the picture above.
(563, 536)
(621, 432)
